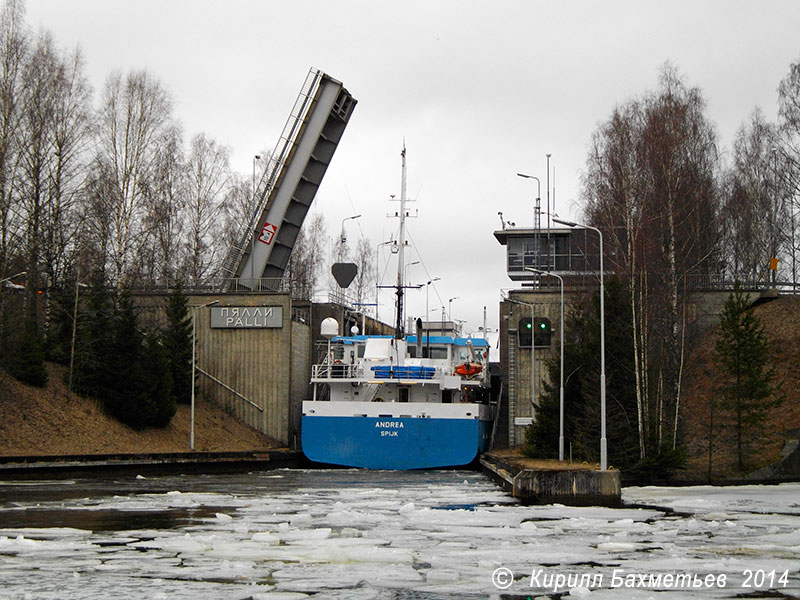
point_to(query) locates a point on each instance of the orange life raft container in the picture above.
(469, 369)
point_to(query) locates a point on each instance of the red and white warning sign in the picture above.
(267, 233)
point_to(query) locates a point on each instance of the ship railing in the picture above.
(335, 371)
(340, 370)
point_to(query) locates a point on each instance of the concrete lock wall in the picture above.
(516, 362)
(301, 370)
(703, 310)
(269, 366)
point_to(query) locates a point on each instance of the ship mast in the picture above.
(401, 246)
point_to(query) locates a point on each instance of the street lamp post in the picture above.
(539, 184)
(20, 274)
(411, 264)
(537, 225)
(450, 307)
(343, 238)
(78, 285)
(256, 158)
(377, 275)
(548, 212)
(428, 294)
(561, 367)
(603, 443)
(194, 336)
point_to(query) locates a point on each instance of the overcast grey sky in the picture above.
(478, 90)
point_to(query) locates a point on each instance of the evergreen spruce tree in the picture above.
(156, 385)
(745, 372)
(94, 341)
(582, 386)
(117, 364)
(124, 377)
(177, 342)
(59, 333)
(26, 362)
(4, 337)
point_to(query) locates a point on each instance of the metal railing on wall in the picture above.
(727, 282)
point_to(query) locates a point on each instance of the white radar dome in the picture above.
(329, 328)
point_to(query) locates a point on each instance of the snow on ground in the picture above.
(365, 534)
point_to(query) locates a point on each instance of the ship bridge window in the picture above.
(439, 352)
(432, 352)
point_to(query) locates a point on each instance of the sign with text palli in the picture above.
(246, 317)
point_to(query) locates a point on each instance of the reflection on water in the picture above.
(104, 519)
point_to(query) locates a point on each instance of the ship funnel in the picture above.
(419, 338)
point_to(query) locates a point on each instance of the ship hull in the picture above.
(394, 443)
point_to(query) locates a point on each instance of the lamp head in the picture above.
(563, 222)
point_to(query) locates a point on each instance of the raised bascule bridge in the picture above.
(288, 185)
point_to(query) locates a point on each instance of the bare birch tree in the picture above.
(749, 210)
(135, 110)
(13, 48)
(789, 157)
(165, 207)
(207, 178)
(305, 262)
(680, 158)
(237, 209)
(71, 134)
(650, 186)
(616, 190)
(365, 279)
(35, 137)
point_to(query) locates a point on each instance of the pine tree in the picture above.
(745, 372)
(177, 341)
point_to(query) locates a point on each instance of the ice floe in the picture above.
(360, 535)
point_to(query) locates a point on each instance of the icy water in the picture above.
(353, 535)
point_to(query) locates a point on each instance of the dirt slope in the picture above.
(781, 320)
(44, 421)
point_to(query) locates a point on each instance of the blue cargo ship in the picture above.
(415, 403)
(402, 402)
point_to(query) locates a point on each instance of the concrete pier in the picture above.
(552, 482)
